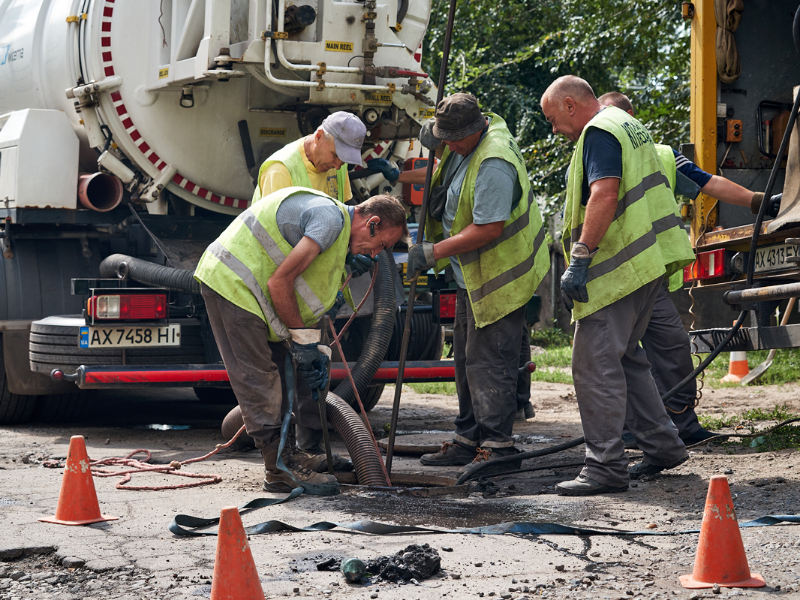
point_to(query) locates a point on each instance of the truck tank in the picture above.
(166, 94)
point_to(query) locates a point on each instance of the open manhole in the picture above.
(407, 484)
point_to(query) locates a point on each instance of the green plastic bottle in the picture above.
(353, 569)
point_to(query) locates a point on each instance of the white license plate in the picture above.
(129, 336)
(773, 258)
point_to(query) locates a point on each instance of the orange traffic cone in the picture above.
(77, 502)
(235, 575)
(738, 368)
(720, 554)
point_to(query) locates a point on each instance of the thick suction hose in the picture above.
(122, 265)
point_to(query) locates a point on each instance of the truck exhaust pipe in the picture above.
(100, 192)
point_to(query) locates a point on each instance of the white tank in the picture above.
(156, 88)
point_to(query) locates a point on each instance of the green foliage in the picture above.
(787, 436)
(551, 336)
(444, 388)
(507, 53)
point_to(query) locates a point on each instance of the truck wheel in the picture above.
(62, 408)
(14, 408)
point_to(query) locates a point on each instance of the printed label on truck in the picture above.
(338, 46)
(429, 113)
(129, 337)
(378, 98)
(162, 73)
(271, 132)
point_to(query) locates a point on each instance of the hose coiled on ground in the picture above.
(122, 265)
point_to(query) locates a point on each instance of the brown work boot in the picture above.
(275, 480)
(316, 460)
(491, 455)
(450, 454)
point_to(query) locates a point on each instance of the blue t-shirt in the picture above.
(497, 192)
(311, 216)
(691, 170)
(602, 158)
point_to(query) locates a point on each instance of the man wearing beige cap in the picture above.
(488, 228)
(318, 161)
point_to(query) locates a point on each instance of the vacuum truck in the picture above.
(131, 132)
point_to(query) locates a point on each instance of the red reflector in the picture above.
(709, 265)
(447, 306)
(128, 306)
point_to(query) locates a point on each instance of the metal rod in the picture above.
(322, 405)
(764, 294)
(420, 237)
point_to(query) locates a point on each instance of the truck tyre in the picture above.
(14, 408)
(62, 408)
(54, 345)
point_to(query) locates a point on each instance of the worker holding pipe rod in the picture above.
(484, 223)
(267, 281)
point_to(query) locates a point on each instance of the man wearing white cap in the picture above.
(318, 161)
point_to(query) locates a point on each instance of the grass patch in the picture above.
(552, 376)
(787, 436)
(550, 336)
(444, 388)
(555, 356)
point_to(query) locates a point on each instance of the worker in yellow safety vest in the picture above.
(665, 340)
(488, 228)
(622, 239)
(267, 281)
(317, 161)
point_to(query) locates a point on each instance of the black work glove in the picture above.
(420, 258)
(386, 167)
(575, 278)
(359, 263)
(773, 208)
(337, 304)
(312, 358)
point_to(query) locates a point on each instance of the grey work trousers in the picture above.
(524, 377)
(486, 365)
(669, 351)
(256, 371)
(614, 388)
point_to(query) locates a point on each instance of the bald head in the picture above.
(569, 86)
(617, 99)
(568, 105)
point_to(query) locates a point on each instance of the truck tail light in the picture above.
(128, 306)
(709, 265)
(444, 306)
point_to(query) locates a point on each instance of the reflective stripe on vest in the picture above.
(291, 158)
(240, 269)
(509, 276)
(276, 254)
(646, 239)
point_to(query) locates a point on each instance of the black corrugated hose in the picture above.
(179, 280)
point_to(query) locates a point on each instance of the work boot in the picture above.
(316, 460)
(703, 435)
(275, 480)
(643, 468)
(525, 412)
(450, 454)
(585, 486)
(492, 454)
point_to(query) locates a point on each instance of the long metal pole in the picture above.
(420, 237)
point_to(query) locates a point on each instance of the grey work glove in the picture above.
(420, 258)
(359, 263)
(426, 137)
(575, 278)
(386, 167)
(312, 358)
(337, 304)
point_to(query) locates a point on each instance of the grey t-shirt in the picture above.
(311, 216)
(497, 191)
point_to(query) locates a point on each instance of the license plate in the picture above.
(773, 258)
(129, 337)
